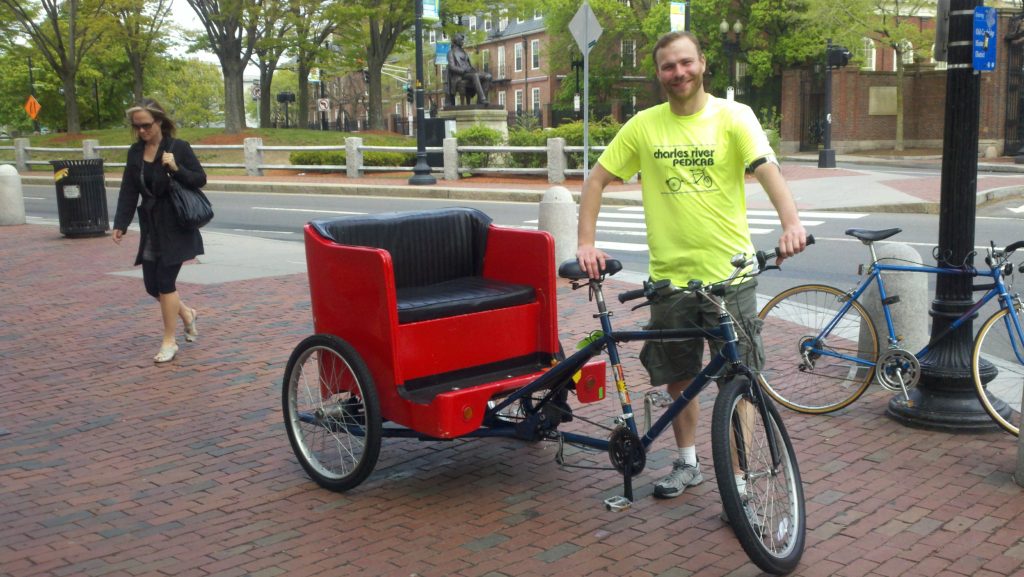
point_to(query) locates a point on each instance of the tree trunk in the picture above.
(71, 103)
(137, 76)
(375, 97)
(302, 106)
(266, 98)
(234, 96)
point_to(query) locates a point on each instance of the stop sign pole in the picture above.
(585, 30)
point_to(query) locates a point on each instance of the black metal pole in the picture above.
(32, 91)
(945, 398)
(827, 156)
(323, 113)
(421, 172)
(96, 100)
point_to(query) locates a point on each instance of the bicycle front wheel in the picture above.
(761, 490)
(815, 362)
(997, 365)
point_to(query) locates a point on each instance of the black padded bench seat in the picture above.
(437, 258)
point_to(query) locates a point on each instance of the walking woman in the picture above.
(153, 160)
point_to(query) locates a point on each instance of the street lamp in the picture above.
(731, 45)
(421, 172)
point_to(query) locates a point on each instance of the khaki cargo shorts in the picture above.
(672, 361)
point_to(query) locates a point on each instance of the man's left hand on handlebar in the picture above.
(793, 241)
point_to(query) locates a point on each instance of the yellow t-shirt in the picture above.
(692, 171)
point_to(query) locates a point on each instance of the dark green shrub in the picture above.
(377, 158)
(477, 135)
(337, 158)
(518, 137)
(601, 133)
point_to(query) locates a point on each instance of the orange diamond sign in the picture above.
(32, 107)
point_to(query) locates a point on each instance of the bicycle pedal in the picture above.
(617, 504)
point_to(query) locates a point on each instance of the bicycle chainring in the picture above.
(896, 364)
(623, 444)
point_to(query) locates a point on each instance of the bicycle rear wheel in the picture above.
(811, 370)
(997, 365)
(762, 495)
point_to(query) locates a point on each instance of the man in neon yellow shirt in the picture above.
(691, 152)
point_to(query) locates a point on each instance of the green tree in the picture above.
(269, 48)
(140, 26)
(232, 30)
(62, 33)
(190, 90)
(891, 23)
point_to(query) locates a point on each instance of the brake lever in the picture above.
(643, 304)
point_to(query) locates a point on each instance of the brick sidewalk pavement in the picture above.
(113, 466)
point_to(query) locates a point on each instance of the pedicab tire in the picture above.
(361, 408)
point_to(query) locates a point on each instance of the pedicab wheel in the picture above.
(331, 412)
(762, 494)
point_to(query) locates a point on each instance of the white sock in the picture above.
(741, 484)
(688, 455)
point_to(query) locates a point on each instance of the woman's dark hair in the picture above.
(167, 127)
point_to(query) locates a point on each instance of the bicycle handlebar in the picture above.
(761, 258)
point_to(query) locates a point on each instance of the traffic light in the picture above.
(837, 56)
(408, 94)
(366, 76)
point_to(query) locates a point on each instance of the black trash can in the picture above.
(81, 197)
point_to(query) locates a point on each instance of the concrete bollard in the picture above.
(21, 154)
(450, 152)
(910, 315)
(558, 217)
(353, 157)
(12, 201)
(89, 149)
(253, 150)
(556, 160)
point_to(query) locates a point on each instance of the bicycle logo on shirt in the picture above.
(700, 177)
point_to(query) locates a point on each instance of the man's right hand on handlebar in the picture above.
(591, 259)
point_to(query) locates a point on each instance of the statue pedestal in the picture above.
(466, 116)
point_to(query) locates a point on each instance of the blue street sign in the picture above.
(985, 19)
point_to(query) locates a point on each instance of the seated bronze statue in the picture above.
(463, 80)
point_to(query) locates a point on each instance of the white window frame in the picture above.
(519, 101)
(867, 53)
(908, 53)
(472, 23)
(537, 15)
(501, 98)
(534, 54)
(518, 57)
(534, 99)
(487, 24)
(631, 62)
(939, 64)
(433, 36)
(485, 59)
(502, 65)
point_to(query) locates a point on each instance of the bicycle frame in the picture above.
(727, 358)
(996, 289)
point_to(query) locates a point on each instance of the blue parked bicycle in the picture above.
(822, 350)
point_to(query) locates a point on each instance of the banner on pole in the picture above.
(679, 17)
(441, 53)
(431, 9)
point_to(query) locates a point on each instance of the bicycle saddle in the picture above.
(571, 269)
(866, 235)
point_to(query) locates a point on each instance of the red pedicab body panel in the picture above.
(435, 376)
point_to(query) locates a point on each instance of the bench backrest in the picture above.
(426, 247)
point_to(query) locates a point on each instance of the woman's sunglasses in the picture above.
(143, 126)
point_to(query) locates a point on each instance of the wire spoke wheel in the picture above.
(331, 412)
(762, 493)
(997, 367)
(812, 364)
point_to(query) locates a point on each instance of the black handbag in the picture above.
(191, 206)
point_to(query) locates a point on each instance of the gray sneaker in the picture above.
(683, 475)
(755, 519)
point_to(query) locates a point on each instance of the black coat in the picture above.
(176, 244)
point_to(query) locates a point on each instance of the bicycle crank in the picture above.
(898, 370)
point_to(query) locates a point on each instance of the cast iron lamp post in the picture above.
(731, 46)
(421, 172)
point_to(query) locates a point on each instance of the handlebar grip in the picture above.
(631, 295)
(763, 257)
(1014, 246)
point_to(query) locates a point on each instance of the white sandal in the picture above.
(191, 332)
(166, 354)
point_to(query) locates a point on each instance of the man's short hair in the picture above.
(671, 37)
